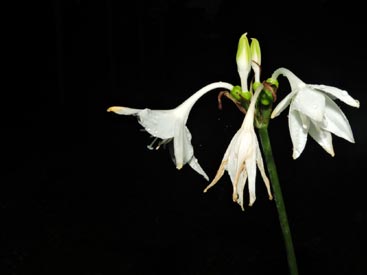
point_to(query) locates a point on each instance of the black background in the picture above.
(81, 194)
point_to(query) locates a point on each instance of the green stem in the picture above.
(278, 197)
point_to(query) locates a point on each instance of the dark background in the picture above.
(81, 194)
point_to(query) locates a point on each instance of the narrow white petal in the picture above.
(298, 132)
(283, 104)
(183, 149)
(241, 187)
(123, 110)
(251, 172)
(311, 103)
(322, 137)
(337, 93)
(336, 122)
(194, 164)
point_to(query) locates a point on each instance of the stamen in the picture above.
(150, 146)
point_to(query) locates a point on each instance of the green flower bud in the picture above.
(243, 59)
(240, 95)
(256, 58)
(273, 81)
(266, 97)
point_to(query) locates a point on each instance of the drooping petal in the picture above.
(194, 164)
(158, 123)
(337, 93)
(310, 103)
(241, 187)
(336, 122)
(297, 132)
(251, 172)
(183, 149)
(283, 104)
(322, 137)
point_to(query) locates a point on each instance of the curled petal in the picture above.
(337, 93)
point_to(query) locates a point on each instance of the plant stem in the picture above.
(278, 197)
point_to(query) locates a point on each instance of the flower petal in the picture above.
(322, 137)
(297, 132)
(240, 188)
(158, 123)
(337, 93)
(336, 122)
(194, 163)
(311, 103)
(123, 110)
(251, 172)
(183, 149)
(283, 104)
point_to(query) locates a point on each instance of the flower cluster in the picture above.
(312, 111)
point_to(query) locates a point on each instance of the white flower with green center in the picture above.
(242, 158)
(312, 111)
(170, 125)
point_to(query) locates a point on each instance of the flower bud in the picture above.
(256, 58)
(243, 59)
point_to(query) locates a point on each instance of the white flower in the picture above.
(241, 157)
(312, 111)
(169, 125)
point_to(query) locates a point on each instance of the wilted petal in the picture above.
(241, 186)
(336, 122)
(251, 173)
(322, 137)
(298, 132)
(337, 93)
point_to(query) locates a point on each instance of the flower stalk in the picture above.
(278, 197)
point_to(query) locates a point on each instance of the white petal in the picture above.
(123, 110)
(251, 172)
(337, 93)
(322, 137)
(311, 103)
(194, 163)
(183, 149)
(336, 122)
(158, 123)
(298, 132)
(282, 104)
(240, 188)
